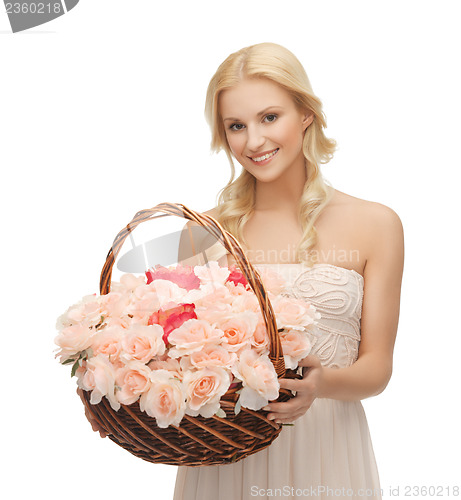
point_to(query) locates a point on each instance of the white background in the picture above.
(101, 115)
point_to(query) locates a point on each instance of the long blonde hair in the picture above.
(235, 202)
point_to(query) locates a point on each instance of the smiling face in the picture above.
(264, 128)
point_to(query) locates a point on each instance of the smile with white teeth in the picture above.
(265, 157)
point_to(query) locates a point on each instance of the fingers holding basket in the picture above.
(306, 391)
(94, 423)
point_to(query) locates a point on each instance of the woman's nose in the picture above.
(255, 138)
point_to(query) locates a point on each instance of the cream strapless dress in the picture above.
(328, 452)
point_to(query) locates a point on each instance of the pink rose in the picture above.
(192, 336)
(113, 304)
(210, 355)
(261, 341)
(123, 322)
(291, 312)
(237, 277)
(295, 346)
(259, 378)
(165, 400)
(99, 378)
(166, 291)
(273, 282)
(246, 302)
(128, 284)
(238, 330)
(88, 312)
(171, 365)
(133, 379)
(142, 343)
(214, 312)
(141, 308)
(183, 276)
(237, 290)
(108, 341)
(212, 294)
(212, 272)
(204, 389)
(73, 339)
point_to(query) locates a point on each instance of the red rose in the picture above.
(236, 276)
(183, 276)
(172, 318)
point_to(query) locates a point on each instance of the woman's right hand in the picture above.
(94, 423)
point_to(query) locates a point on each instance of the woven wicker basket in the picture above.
(197, 441)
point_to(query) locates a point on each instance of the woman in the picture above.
(342, 253)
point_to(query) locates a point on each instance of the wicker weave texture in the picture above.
(197, 441)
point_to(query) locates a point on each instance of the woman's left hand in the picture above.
(307, 390)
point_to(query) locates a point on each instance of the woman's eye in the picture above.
(272, 116)
(236, 125)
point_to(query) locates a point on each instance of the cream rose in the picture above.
(260, 340)
(108, 341)
(142, 343)
(238, 330)
(214, 293)
(143, 307)
(295, 346)
(113, 304)
(133, 379)
(171, 365)
(259, 378)
(87, 311)
(212, 272)
(210, 355)
(204, 389)
(166, 291)
(99, 378)
(273, 282)
(165, 400)
(192, 336)
(72, 340)
(129, 283)
(246, 302)
(293, 313)
(213, 313)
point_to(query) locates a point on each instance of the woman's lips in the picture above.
(266, 160)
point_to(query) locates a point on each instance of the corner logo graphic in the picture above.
(27, 14)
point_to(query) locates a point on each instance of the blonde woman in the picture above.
(340, 252)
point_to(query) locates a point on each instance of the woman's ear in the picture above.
(308, 119)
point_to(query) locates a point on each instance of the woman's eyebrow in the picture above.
(258, 114)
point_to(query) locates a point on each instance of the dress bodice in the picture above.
(337, 294)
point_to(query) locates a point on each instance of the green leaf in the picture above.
(68, 361)
(74, 367)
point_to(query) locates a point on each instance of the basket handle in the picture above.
(232, 246)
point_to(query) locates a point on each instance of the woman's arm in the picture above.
(370, 374)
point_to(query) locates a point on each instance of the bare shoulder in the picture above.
(373, 228)
(371, 216)
(213, 212)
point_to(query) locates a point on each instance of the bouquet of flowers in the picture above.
(178, 338)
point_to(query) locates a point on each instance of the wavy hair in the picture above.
(235, 202)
